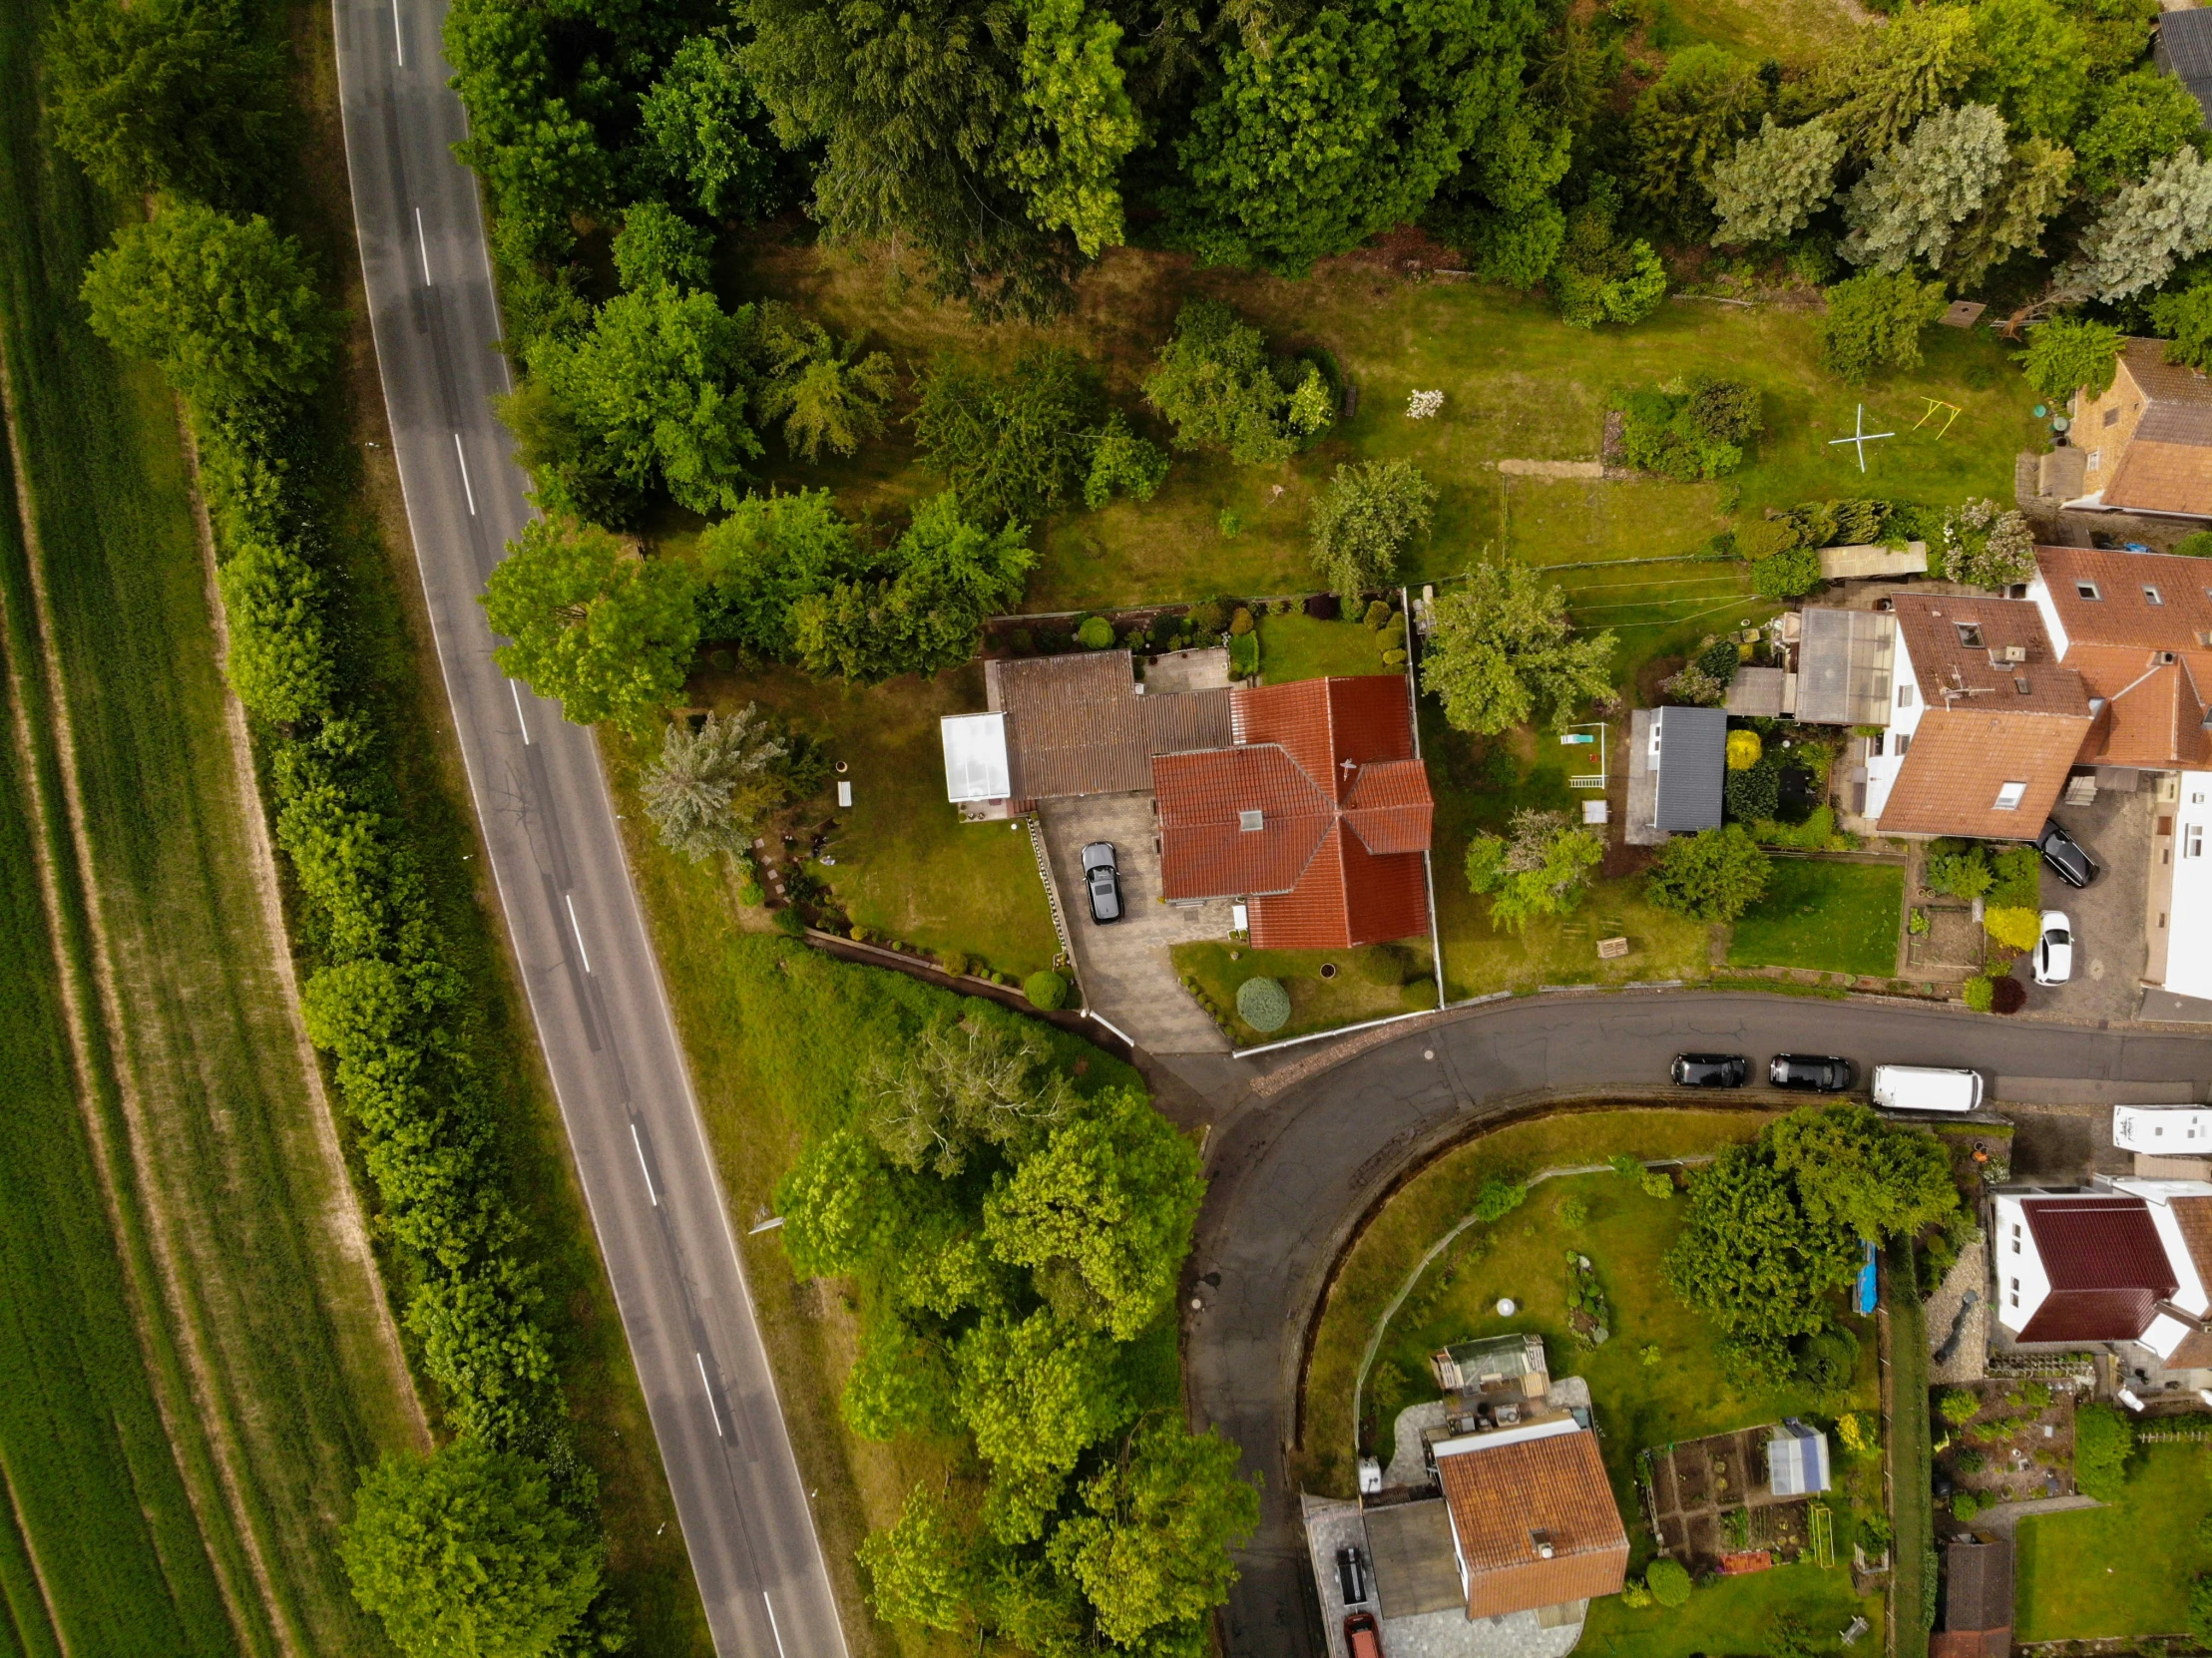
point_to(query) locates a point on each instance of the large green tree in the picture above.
(466, 1554)
(656, 393)
(1367, 516)
(1775, 181)
(1013, 444)
(1855, 1171)
(1751, 1258)
(2035, 65)
(1502, 653)
(709, 132)
(1151, 1548)
(1110, 1202)
(608, 633)
(2068, 353)
(1713, 875)
(227, 308)
(710, 783)
(2143, 233)
(1037, 1393)
(2028, 194)
(1221, 389)
(1541, 867)
(826, 393)
(1323, 133)
(769, 553)
(1687, 123)
(1874, 321)
(2135, 122)
(169, 96)
(539, 156)
(1883, 81)
(1917, 193)
(918, 1570)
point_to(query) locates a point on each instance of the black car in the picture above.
(1103, 881)
(1823, 1073)
(2066, 856)
(1711, 1070)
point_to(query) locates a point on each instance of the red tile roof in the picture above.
(2106, 1264)
(1344, 814)
(1509, 1501)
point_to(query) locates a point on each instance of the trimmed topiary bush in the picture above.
(1096, 633)
(2006, 994)
(1421, 994)
(1744, 749)
(1979, 993)
(1668, 1581)
(1263, 1003)
(1241, 622)
(1386, 964)
(954, 963)
(1047, 989)
(2016, 929)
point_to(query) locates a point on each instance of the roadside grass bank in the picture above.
(1832, 917)
(394, 666)
(2122, 1570)
(258, 1307)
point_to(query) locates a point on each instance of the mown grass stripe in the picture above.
(27, 1625)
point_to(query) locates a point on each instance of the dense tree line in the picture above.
(495, 1545)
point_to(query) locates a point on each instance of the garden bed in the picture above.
(2016, 1447)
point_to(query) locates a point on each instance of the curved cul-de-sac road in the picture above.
(1293, 1175)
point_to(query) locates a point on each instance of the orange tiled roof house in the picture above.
(2145, 443)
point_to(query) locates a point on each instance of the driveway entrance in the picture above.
(1129, 977)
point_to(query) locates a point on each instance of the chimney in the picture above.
(1541, 1543)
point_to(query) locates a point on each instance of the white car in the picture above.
(2055, 950)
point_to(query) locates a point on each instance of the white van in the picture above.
(1926, 1089)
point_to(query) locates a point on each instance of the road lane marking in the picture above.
(422, 247)
(772, 1630)
(398, 41)
(465, 484)
(646, 1173)
(578, 929)
(524, 724)
(712, 1406)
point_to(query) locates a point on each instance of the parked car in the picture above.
(1362, 1636)
(2055, 950)
(1351, 1576)
(1711, 1070)
(1103, 881)
(1823, 1073)
(1926, 1089)
(2066, 856)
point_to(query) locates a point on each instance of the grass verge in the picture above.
(1737, 1613)
(1834, 917)
(2122, 1570)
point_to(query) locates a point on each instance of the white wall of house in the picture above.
(2189, 930)
(2038, 591)
(2021, 1283)
(2189, 1293)
(1897, 735)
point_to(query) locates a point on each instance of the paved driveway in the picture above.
(1129, 977)
(2109, 948)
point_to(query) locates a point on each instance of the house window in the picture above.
(1970, 634)
(2087, 590)
(1902, 741)
(2009, 797)
(2096, 459)
(2111, 417)
(2192, 840)
(2150, 595)
(2015, 1298)
(1905, 692)
(1874, 746)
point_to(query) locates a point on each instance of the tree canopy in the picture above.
(1502, 653)
(1713, 875)
(1218, 387)
(1364, 519)
(1541, 868)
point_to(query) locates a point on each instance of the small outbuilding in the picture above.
(1797, 1460)
(1677, 761)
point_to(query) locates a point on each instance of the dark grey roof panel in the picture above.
(1692, 761)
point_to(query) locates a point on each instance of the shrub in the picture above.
(1766, 537)
(1394, 658)
(1744, 750)
(2016, 929)
(1378, 612)
(954, 963)
(1324, 607)
(1979, 993)
(1207, 618)
(1714, 875)
(1958, 1406)
(1668, 1581)
(1874, 321)
(2198, 545)
(1656, 1184)
(1960, 874)
(2006, 994)
(1047, 989)
(752, 895)
(1858, 1435)
(1498, 1199)
(1789, 575)
(1384, 964)
(1694, 429)
(1573, 1213)
(1636, 1596)
(1755, 795)
(1096, 633)
(789, 922)
(1421, 994)
(1219, 389)
(1965, 1505)
(2200, 1608)
(1625, 1166)
(1263, 1003)
(2103, 1439)
(1240, 624)
(1827, 1360)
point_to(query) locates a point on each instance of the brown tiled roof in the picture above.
(2193, 1215)
(2194, 1353)
(2169, 385)
(1502, 1497)
(1960, 759)
(2106, 1265)
(1344, 815)
(2122, 613)
(1952, 671)
(1977, 1585)
(2153, 715)
(1971, 1643)
(1076, 724)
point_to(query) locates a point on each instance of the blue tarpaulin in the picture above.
(1865, 1301)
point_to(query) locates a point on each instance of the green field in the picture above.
(2122, 1570)
(1832, 917)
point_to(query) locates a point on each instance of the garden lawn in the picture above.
(1737, 1614)
(1296, 647)
(1517, 383)
(1783, 29)
(907, 867)
(2122, 1570)
(1369, 983)
(1831, 916)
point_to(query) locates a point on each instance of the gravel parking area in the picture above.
(2109, 949)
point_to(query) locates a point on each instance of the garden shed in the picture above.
(1797, 1460)
(1677, 760)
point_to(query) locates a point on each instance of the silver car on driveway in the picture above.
(1103, 881)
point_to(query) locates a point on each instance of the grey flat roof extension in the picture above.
(1692, 763)
(1845, 663)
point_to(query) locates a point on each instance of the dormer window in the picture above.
(1249, 822)
(2009, 797)
(2150, 595)
(2088, 590)
(1970, 634)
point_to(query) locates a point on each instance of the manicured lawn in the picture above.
(1517, 383)
(1835, 917)
(1295, 647)
(1737, 1614)
(2124, 1569)
(907, 865)
(1368, 984)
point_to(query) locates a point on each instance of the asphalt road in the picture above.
(593, 983)
(1293, 1175)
